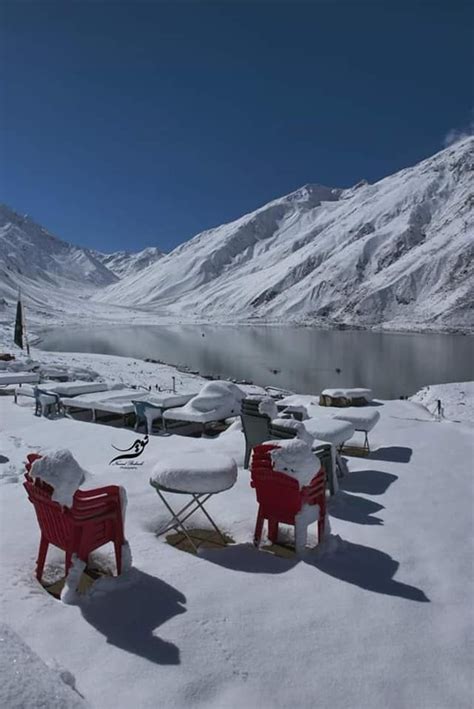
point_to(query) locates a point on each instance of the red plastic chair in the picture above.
(94, 519)
(280, 497)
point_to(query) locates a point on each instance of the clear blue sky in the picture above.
(142, 123)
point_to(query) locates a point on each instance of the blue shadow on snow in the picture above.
(370, 482)
(128, 615)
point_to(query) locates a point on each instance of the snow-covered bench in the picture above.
(119, 401)
(345, 397)
(8, 378)
(65, 389)
(150, 409)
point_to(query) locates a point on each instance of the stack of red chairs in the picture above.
(279, 496)
(94, 519)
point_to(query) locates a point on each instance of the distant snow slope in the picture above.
(125, 263)
(398, 253)
(457, 400)
(56, 278)
(29, 253)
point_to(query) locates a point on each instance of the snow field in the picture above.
(379, 615)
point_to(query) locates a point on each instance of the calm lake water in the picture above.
(299, 359)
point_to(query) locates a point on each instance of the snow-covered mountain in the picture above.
(126, 263)
(397, 253)
(29, 253)
(56, 279)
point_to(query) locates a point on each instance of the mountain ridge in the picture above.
(378, 254)
(396, 254)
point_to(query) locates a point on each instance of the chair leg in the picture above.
(43, 550)
(366, 443)
(248, 450)
(68, 561)
(321, 525)
(258, 528)
(273, 530)
(118, 557)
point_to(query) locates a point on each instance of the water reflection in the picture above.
(300, 359)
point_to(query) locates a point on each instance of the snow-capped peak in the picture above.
(393, 252)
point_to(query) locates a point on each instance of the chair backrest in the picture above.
(256, 426)
(98, 512)
(55, 523)
(139, 408)
(282, 432)
(323, 450)
(279, 494)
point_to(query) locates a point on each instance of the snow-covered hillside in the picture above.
(398, 253)
(126, 263)
(29, 253)
(56, 278)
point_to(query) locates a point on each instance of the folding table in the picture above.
(197, 474)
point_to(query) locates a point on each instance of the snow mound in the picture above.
(268, 407)
(196, 471)
(297, 426)
(294, 458)
(62, 471)
(69, 594)
(215, 402)
(457, 401)
(26, 682)
(214, 394)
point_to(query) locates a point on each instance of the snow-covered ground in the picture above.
(457, 400)
(379, 616)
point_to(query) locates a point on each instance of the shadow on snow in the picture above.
(127, 616)
(392, 454)
(370, 482)
(368, 568)
(352, 508)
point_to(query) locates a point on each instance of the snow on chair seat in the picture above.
(76, 521)
(290, 487)
(291, 428)
(198, 474)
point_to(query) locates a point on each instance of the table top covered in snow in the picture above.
(363, 420)
(195, 472)
(168, 399)
(347, 393)
(18, 378)
(64, 388)
(329, 429)
(76, 387)
(116, 401)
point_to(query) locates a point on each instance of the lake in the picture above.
(297, 358)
